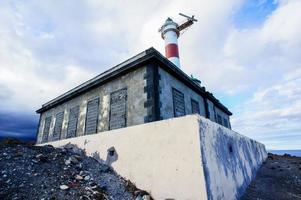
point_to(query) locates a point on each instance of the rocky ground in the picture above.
(32, 172)
(278, 178)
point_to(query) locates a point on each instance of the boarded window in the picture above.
(226, 123)
(219, 119)
(72, 122)
(118, 101)
(178, 103)
(92, 116)
(46, 129)
(195, 108)
(58, 125)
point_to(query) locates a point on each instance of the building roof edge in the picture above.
(126, 65)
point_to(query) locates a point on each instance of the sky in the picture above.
(246, 52)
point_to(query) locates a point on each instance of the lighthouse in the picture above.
(170, 32)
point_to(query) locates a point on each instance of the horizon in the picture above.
(247, 53)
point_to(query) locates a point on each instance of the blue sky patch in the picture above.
(254, 13)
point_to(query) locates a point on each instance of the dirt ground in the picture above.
(33, 172)
(278, 178)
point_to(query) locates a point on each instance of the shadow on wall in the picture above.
(112, 155)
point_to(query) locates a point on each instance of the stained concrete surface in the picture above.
(278, 178)
(230, 160)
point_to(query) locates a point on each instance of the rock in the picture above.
(142, 195)
(49, 146)
(92, 184)
(73, 160)
(39, 155)
(94, 187)
(74, 149)
(18, 154)
(78, 177)
(146, 197)
(87, 178)
(79, 166)
(138, 198)
(84, 197)
(42, 158)
(78, 157)
(68, 162)
(64, 187)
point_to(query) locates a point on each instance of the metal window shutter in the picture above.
(58, 125)
(195, 108)
(92, 116)
(178, 103)
(118, 100)
(46, 129)
(72, 122)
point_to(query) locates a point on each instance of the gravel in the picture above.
(45, 172)
(278, 178)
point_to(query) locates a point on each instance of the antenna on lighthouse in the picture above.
(187, 23)
(170, 31)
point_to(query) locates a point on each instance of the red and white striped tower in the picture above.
(170, 33)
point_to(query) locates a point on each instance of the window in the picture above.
(92, 116)
(46, 129)
(58, 125)
(72, 122)
(195, 108)
(219, 119)
(226, 123)
(178, 103)
(118, 101)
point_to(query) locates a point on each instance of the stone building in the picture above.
(145, 88)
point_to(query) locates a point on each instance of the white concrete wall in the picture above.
(160, 157)
(179, 158)
(230, 160)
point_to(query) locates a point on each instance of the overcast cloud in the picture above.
(246, 52)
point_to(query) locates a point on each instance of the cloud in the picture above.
(258, 56)
(44, 44)
(273, 115)
(271, 63)
(18, 125)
